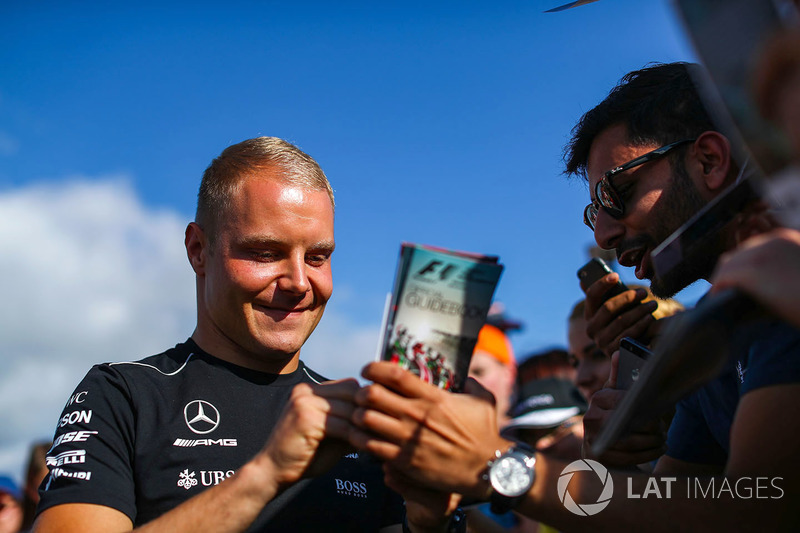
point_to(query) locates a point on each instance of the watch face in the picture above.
(510, 476)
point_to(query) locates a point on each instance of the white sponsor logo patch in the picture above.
(67, 458)
(74, 417)
(60, 472)
(73, 436)
(191, 443)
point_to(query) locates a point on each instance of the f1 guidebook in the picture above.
(437, 307)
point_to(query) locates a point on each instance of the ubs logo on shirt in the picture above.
(357, 489)
(208, 478)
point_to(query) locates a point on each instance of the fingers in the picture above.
(605, 399)
(399, 380)
(596, 291)
(337, 400)
(621, 316)
(380, 424)
(425, 506)
(612, 377)
(645, 443)
(613, 457)
(317, 416)
(343, 389)
(383, 450)
(380, 398)
(473, 388)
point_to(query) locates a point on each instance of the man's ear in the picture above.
(712, 152)
(196, 247)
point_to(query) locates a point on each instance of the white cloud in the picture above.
(90, 274)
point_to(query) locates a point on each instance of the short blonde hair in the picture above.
(226, 172)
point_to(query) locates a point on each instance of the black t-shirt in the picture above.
(143, 437)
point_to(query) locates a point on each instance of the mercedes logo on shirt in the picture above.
(201, 416)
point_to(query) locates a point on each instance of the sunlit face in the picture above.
(592, 366)
(266, 277)
(657, 202)
(496, 377)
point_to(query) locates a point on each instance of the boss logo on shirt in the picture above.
(351, 488)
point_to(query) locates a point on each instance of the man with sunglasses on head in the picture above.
(652, 159)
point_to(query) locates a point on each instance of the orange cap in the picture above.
(495, 343)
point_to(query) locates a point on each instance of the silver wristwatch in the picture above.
(511, 476)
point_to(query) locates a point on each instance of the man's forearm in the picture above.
(230, 506)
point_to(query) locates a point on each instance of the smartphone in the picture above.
(595, 269)
(632, 357)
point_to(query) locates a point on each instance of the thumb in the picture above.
(612, 377)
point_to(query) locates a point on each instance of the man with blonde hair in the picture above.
(229, 430)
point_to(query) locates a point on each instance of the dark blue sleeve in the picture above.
(689, 438)
(774, 359)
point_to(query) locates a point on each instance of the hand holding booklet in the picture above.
(437, 307)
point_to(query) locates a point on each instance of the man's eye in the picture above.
(625, 191)
(265, 256)
(599, 355)
(317, 259)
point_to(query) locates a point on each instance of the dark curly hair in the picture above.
(659, 104)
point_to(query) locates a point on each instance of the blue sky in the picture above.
(440, 123)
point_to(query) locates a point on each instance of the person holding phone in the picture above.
(592, 365)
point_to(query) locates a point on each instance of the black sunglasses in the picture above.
(606, 195)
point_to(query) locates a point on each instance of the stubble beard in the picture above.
(677, 206)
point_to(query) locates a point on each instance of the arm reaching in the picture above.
(765, 267)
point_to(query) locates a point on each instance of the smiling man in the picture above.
(229, 430)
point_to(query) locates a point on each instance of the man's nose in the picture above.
(294, 278)
(608, 231)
